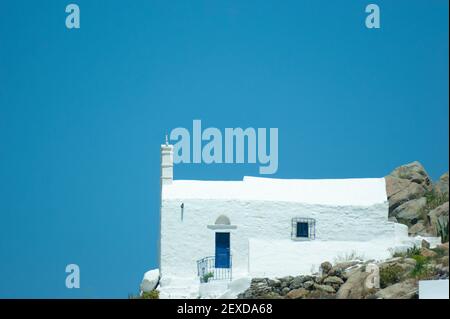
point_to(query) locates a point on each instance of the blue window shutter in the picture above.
(302, 230)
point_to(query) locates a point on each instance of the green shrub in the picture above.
(390, 275)
(442, 229)
(435, 199)
(206, 277)
(154, 294)
(413, 252)
(421, 269)
(409, 253)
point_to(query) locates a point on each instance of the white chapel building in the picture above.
(215, 233)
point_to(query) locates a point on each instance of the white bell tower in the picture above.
(166, 163)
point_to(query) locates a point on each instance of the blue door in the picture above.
(222, 250)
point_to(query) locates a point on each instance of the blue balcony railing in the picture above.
(208, 269)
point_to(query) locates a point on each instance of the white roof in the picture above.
(336, 192)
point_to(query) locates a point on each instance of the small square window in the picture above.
(303, 229)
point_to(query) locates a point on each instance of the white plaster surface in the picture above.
(434, 289)
(359, 192)
(236, 287)
(184, 241)
(213, 289)
(173, 287)
(278, 258)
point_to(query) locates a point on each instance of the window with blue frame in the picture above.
(303, 228)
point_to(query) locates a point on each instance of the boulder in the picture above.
(427, 252)
(286, 281)
(340, 268)
(336, 272)
(354, 287)
(395, 185)
(308, 284)
(403, 290)
(425, 244)
(270, 295)
(259, 280)
(419, 229)
(150, 280)
(441, 187)
(297, 282)
(405, 264)
(393, 219)
(325, 288)
(390, 261)
(410, 261)
(246, 295)
(297, 293)
(415, 173)
(442, 273)
(325, 267)
(400, 191)
(333, 280)
(439, 213)
(443, 247)
(410, 212)
(261, 288)
(274, 283)
(444, 261)
(285, 291)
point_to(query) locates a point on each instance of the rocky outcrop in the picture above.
(404, 265)
(400, 191)
(441, 187)
(297, 293)
(342, 280)
(415, 173)
(398, 278)
(415, 201)
(410, 212)
(420, 228)
(324, 288)
(440, 214)
(299, 287)
(333, 281)
(354, 287)
(407, 289)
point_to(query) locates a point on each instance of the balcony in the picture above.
(210, 268)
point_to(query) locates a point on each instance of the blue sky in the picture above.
(83, 112)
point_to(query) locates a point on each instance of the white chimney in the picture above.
(166, 163)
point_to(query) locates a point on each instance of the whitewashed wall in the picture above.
(185, 241)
